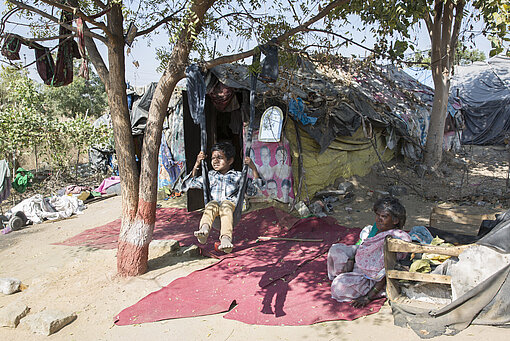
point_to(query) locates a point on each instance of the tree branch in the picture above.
(55, 20)
(161, 22)
(459, 14)
(97, 60)
(294, 11)
(100, 4)
(446, 33)
(340, 36)
(303, 27)
(77, 12)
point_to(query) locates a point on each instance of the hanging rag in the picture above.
(11, 47)
(22, 180)
(167, 160)
(269, 73)
(84, 69)
(44, 62)
(297, 110)
(5, 180)
(196, 90)
(67, 49)
(195, 85)
(221, 96)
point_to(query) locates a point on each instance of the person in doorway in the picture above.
(357, 270)
(266, 170)
(281, 169)
(224, 183)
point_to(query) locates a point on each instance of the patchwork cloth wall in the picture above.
(273, 162)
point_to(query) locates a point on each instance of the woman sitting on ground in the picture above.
(357, 270)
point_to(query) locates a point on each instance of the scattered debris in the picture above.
(397, 191)
(302, 209)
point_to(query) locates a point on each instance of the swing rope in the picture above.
(249, 135)
(195, 82)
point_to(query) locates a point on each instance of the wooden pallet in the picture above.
(392, 246)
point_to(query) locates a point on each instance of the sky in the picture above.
(141, 60)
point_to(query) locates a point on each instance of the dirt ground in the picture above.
(83, 280)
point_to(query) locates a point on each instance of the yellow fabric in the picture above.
(346, 156)
(420, 265)
(434, 258)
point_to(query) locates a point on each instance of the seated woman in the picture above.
(357, 270)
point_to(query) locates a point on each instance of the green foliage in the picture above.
(81, 96)
(26, 124)
(463, 56)
(394, 20)
(496, 14)
(21, 124)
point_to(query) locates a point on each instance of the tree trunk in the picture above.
(443, 31)
(136, 233)
(434, 145)
(129, 243)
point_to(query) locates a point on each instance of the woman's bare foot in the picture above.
(226, 244)
(203, 233)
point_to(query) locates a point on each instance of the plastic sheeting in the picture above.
(484, 89)
(142, 98)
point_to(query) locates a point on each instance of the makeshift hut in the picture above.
(484, 91)
(333, 122)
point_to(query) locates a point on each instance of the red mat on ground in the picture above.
(271, 283)
(178, 224)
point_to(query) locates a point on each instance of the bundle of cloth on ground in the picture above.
(37, 208)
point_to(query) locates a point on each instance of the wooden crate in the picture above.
(392, 246)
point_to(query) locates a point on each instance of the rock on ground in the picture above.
(47, 322)
(11, 314)
(161, 247)
(9, 285)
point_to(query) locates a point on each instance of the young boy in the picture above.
(224, 183)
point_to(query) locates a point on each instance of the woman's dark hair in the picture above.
(226, 147)
(392, 206)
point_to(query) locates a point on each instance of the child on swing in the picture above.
(224, 183)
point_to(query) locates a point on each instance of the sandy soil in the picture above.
(83, 280)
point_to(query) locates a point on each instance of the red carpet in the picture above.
(178, 224)
(272, 283)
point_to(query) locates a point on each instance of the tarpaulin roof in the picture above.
(484, 89)
(341, 97)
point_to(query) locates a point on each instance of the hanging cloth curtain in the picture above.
(196, 90)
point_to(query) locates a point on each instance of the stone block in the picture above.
(11, 314)
(47, 322)
(9, 285)
(160, 247)
(191, 251)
